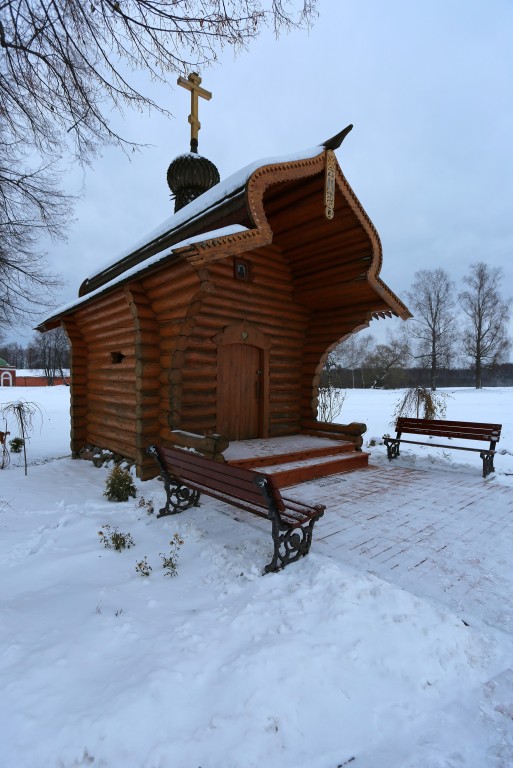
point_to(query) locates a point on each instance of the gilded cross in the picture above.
(193, 85)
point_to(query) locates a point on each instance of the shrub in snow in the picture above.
(170, 562)
(16, 444)
(24, 413)
(143, 567)
(119, 485)
(114, 539)
(422, 403)
(148, 505)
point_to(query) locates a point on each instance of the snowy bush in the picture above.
(16, 444)
(147, 505)
(143, 567)
(422, 403)
(114, 539)
(119, 485)
(170, 562)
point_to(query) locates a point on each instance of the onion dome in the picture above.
(190, 175)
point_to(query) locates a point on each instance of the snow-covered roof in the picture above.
(208, 201)
(222, 232)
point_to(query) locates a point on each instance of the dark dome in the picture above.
(189, 176)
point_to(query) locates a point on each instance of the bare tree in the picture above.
(395, 353)
(65, 68)
(353, 352)
(14, 353)
(331, 397)
(30, 204)
(433, 326)
(485, 339)
(50, 352)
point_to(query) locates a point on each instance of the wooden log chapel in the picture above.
(220, 323)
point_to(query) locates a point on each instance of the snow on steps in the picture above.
(294, 466)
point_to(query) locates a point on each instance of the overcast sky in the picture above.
(429, 89)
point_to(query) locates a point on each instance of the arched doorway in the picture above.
(242, 382)
(6, 379)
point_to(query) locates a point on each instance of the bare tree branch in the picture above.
(433, 327)
(485, 339)
(63, 73)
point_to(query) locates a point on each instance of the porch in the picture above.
(297, 458)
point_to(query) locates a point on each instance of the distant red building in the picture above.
(11, 377)
(7, 374)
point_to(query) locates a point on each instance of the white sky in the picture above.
(429, 88)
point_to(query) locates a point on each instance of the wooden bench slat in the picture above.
(440, 445)
(187, 475)
(454, 434)
(215, 477)
(459, 430)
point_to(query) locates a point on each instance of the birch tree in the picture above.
(433, 327)
(485, 339)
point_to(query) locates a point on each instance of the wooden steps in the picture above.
(297, 466)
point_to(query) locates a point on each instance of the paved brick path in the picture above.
(440, 534)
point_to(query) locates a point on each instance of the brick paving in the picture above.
(441, 534)
(444, 535)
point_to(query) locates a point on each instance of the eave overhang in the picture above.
(337, 263)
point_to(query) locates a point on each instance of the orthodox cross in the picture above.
(193, 85)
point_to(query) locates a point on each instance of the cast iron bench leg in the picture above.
(289, 543)
(392, 448)
(179, 497)
(487, 462)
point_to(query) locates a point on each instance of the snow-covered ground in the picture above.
(319, 666)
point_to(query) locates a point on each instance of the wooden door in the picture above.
(239, 401)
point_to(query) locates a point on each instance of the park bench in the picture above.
(187, 475)
(458, 430)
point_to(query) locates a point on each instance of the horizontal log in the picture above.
(146, 348)
(148, 398)
(141, 309)
(208, 445)
(259, 293)
(102, 332)
(198, 423)
(190, 400)
(108, 392)
(148, 426)
(147, 408)
(170, 307)
(106, 378)
(112, 313)
(110, 426)
(338, 274)
(145, 470)
(124, 411)
(146, 369)
(105, 303)
(198, 411)
(338, 249)
(123, 448)
(255, 302)
(146, 325)
(79, 411)
(170, 328)
(181, 271)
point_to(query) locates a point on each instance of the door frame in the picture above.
(245, 333)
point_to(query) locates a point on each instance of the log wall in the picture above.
(173, 297)
(103, 391)
(266, 303)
